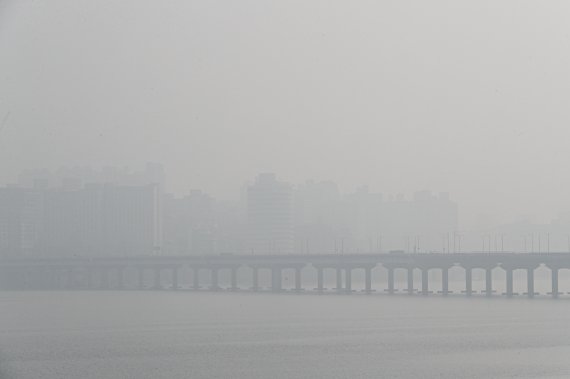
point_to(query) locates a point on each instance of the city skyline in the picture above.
(142, 172)
(474, 213)
(314, 217)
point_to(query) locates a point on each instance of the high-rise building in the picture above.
(197, 224)
(21, 213)
(270, 216)
(189, 224)
(93, 220)
(131, 220)
(319, 222)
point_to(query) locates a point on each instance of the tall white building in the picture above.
(112, 211)
(100, 220)
(270, 216)
(189, 224)
(20, 221)
(95, 220)
(320, 223)
(131, 220)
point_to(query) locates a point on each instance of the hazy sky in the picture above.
(470, 97)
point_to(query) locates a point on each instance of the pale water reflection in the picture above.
(219, 335)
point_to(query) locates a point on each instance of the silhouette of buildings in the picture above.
(197, 224)
(54, 215)
(319, 220)
(363, 221)
(189, 224)
(270, 216)
(116, 212)
(21, 212)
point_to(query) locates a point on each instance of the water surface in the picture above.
(221, 335)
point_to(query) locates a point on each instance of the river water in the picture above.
(187, 334)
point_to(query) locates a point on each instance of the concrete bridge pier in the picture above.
(410, 281)
(298, 279)
(530, 282)
(34, 279)
(47, 276)
(26, 278)
(368, 280)
(390, 280)
(196, 278)
(104, 278)
(214, 279)
(141, 278)
(489, 281)
(338, 279)
(19, 279)
(348, 279)
(554, 277)
(255, 279)
(234, 286)
(157, 279)
(276, 279)
(320, 279)
(175, 278)
(89, 278)
(509, 272)
(445, 281)
(425, 282)
(57, 279)
(468, 281)
(69, 279)
(120, 277)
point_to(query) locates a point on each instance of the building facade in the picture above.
(270, 216)
(96, 220)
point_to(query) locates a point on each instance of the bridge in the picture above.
(96, 272)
